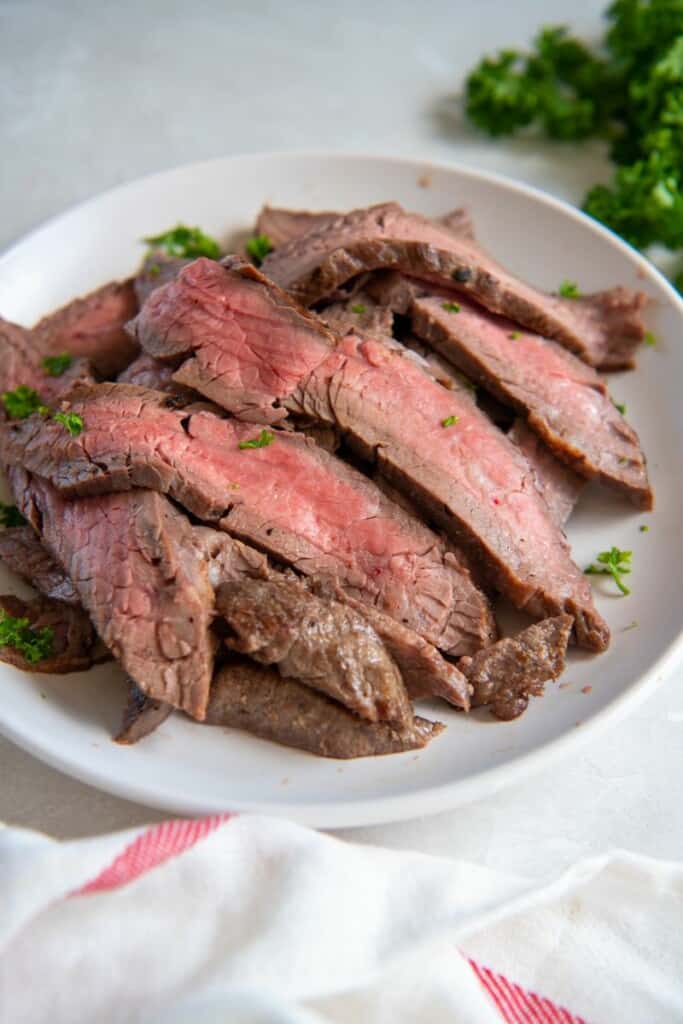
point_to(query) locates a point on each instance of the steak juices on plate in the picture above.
(292, 520)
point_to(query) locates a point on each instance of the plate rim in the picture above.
(437, 798)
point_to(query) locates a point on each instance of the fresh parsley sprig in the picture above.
(614, 563)
(627, 90)
(17, 633)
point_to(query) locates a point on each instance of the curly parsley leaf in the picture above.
(262, 441)
(71, 420)
(182, 242)
(450, 307)
(258, 248)
(614, 563)
(450, 421)
(10, 516)
(627, 90)
(22, 402)
(358, 309)
(33, 644)
(55, 366)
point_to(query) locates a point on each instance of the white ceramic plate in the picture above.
(67, 721)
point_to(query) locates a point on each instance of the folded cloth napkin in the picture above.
(252, 920)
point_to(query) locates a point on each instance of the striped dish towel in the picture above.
(251, 920)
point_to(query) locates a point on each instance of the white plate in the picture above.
(68, 721)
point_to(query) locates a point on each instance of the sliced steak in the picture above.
(21, 358)
(360, 315)
(559, 485)
(604, 329)
(22, 552)
(323, 643)
(249, 345)
(459, 222)
(75, 644)
(471, 479)
(93, 327)
(256, 698)
(148, 372)
(281, 225)
(141, 715)
(143, 581)
(289, 498)
(157, 269)
(505, 675)
(425, 672)
(563, 400)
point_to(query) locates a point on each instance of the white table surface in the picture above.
(93, 94)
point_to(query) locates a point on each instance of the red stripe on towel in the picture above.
(516, 1005)
(151, 848)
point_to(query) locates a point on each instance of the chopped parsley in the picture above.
(614, 563)
(450, 307)
(10, 515)
(514, 335)
(649, 339)
(450, 421)
(34, 644)
(620, 407)
(71, 420)
(644, 528)
(183, 242)
(569, 290)
(22, 402)
(153, 270)
(258, 248)
(262, 441)
(359, 308)
(55, 366)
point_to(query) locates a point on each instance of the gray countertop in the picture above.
(93, 94)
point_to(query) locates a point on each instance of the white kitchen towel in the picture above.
(251, 920)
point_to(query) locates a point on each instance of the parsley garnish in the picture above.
(626, 89)
(183, 242)
(514, 335)
(34, 644)
(450, 307)
(262, 441)
(649, 339)
(569, 290)
(153, 270)
(10, 515)
(644, 528)
(71, 420)
(620, 407)
(22, 402)
(614, 563)
(55, 366)
(359, 308)
(450, 421)
(258, 248)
